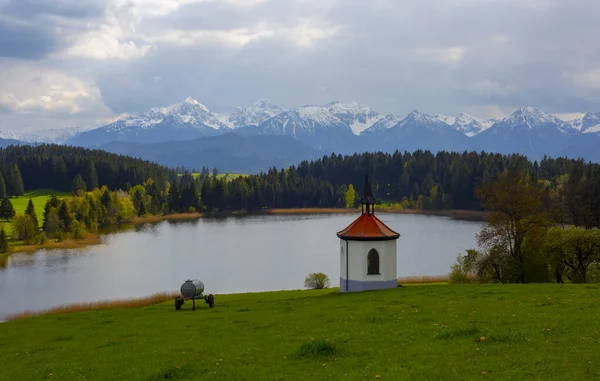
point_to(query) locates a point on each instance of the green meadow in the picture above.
(39, 198)
(421, 332)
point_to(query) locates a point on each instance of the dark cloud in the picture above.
(26, 41)
(442, 56)
(80, 9)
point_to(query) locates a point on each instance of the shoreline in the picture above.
(165, 296)
(94, 239)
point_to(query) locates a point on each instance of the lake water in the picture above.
(234, 254)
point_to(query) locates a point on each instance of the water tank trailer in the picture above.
(193, 289)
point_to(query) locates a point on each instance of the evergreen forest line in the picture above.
(109, 189)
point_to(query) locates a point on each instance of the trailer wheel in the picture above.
(178, 304)
(211, 301)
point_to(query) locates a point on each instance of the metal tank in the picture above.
(192, 288)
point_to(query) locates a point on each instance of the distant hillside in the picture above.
(229, 152)
(55, 167)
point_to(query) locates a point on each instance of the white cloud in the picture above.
(28, 89)
(304, 34)
(117, 37)
(108, 42)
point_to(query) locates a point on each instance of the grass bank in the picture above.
(38, 197)
(454, 332)
(88, 240)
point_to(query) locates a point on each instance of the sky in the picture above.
(67, 63)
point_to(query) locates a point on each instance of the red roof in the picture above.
(367, 227)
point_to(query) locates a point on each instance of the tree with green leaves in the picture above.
(518, 218)
(51, 204)
(78, 186)
(25, 228)
(573, 251)
(3, 241)
(350, 196)
(30, 211)
(6, 209)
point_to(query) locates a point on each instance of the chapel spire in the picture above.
(368, 199)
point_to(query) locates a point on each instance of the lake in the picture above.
(233, 254)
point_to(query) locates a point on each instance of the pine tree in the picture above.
(105, 199)
(15, 182)
(6, 209)
(78, 186)
(30, 211)
(174, 197)
(3, 241)
(52, 203)
(64, 214)
(2, 186)
(91, 175)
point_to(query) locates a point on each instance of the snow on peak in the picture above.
(386, 122)
(418, 117)
(449, 120)
(471, 125)
(532, 117)
(187, 113)
(358, 116)
(254, 115)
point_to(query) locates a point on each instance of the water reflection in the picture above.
(233, 254)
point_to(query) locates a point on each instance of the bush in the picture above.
(25, 228)
(462, 270)
(316, 281)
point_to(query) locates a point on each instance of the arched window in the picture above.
(373, 262)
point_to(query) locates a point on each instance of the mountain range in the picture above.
(263, 128)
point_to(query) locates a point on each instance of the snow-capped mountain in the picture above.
(528, 131)
(261, 111)
(416, 131)
(307, 120)
(416, 119)
(388, 121)
(445, 118)
(530, 118)
(350, 127)
(185, 120)
(359, 117)
(588, 124)
(470, 125)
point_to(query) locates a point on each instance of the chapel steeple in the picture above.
(368, 200)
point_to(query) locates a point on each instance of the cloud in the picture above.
(446, 56)
(38, 93)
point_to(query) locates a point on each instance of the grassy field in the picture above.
(39, 198)
(424, 332)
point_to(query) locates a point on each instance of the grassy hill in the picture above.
(449, 332)
(39, 198)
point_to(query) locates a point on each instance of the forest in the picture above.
(532, 204)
